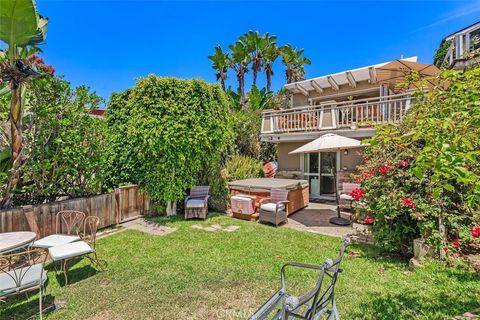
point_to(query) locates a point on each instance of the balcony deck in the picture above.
(351, 114)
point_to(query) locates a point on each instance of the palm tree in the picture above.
(256, 45)
(269, 57)
(221, 62)
(22, 31)
(294, 63)
(240, 61)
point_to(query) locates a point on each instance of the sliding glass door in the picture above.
(318, 170)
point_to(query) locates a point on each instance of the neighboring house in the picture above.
(348, 103)
(460, 49)
(98, 113)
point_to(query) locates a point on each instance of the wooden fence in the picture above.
(123, 204)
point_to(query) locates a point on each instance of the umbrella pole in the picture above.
(338, 220)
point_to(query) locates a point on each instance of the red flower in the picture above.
(475, 232)
(408, 202)
(368, 220)
(384, 169)
(404, 163)
(358, 178)
(456, 243)
(357, 194)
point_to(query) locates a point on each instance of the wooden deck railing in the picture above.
(341, 115)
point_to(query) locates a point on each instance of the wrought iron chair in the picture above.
(315, 304)
(275, 208)
(196, 204)
(22, 272)
(85, 247)
(68, 224)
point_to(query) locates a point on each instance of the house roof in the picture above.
(98, 112)
(472, 26)
(350, 77)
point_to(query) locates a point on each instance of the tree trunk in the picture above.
(223, 83)
(443, 235)
(171, 208)
(255, 73)
(241, 84)
(17, 143)
(269, 80)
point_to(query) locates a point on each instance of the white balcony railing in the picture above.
(342, 115)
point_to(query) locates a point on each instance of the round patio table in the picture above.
(11, 241)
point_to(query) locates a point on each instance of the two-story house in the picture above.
(348, 103)
(460, 49)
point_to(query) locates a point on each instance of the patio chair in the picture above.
(23, 272)
(316, 303)
(78, 249)
(196, 204)
(348, 187)
(68, 224)
(275, 208)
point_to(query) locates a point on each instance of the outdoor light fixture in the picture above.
(345, 152)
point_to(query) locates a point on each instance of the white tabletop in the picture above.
(10, 241)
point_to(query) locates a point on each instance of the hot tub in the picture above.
(298, 194)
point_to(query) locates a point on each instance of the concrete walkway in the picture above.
(314, 218)
(149, 227)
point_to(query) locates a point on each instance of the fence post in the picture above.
(118, 217)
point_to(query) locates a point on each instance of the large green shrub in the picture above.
(422, 177)
(177, 128)
(64, 146)
(242, 167)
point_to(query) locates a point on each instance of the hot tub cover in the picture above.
(267, 184)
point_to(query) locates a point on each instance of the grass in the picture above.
(194, 274)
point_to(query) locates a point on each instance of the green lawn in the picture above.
(194, 274)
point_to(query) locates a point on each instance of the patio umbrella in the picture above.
(395, 71)
(330, 143)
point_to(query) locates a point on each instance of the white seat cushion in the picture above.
(346, 197)
(69, 250)
(54, 240)
(27, 276)
(271, 207)
(195, 203)
(240, 198)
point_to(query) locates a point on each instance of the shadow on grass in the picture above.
(410, 305)
(22, 307)
(75, 274)
(179, 217)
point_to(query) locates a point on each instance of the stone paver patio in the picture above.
(314, 218)
(148, 227)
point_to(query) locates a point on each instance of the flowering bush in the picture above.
(357, 194)
(368, 220)
(421, 178)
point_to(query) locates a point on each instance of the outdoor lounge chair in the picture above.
(78, 249)
(22, 272)
(275, 208)
(348, 187)
(67, 229)
(196, 204)
(316, 304)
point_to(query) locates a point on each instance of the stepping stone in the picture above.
(231, 228)
(148, 227)
(197, 226)
(216, 226)
(210, 229)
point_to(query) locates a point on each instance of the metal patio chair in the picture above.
(68, 224)
(275, 208)
(78, 249)
(316, 304)
(23, 272)
(196, 204)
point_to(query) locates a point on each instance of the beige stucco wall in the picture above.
(301, 100)
(289, 161)
(352, 160)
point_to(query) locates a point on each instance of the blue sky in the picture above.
(107, 45)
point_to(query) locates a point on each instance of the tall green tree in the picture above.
(256, 45)
(270, 55)
(221, 62)
(240, 61)
(177, 128)
(294, 63)
(21, 29)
